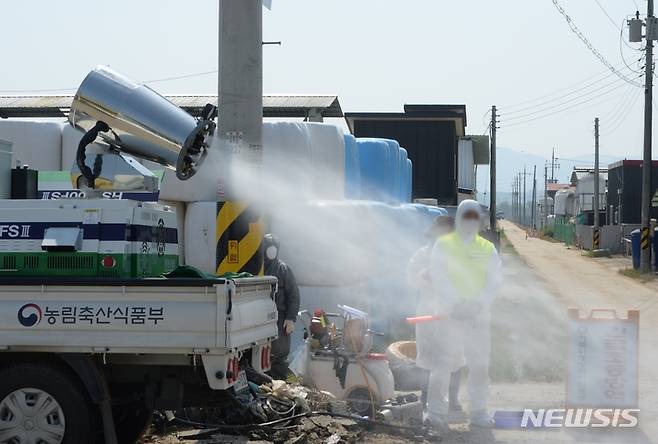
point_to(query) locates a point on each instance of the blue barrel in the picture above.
(402, 167)
(410, 180)
(636, 248)
(373, 163)
(393, 169)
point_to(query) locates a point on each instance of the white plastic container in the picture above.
(199, 234)
(327, 161)
(37, 143)
(179, 207)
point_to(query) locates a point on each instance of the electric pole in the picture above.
(545, 220)
(518, 199)
(645, 258)
(554, 166)
(492, 172)
(534, 199)
(596, 206)
(596, 174)
(524, 198)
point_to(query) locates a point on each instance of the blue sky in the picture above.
(376, 55)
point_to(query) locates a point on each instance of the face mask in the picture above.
(469, 227)
(271, 252)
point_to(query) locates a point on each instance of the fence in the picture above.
(564, 232)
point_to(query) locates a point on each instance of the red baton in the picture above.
(423, 319)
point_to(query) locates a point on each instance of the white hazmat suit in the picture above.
(465, 272)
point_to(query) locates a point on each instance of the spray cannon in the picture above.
(132, 120)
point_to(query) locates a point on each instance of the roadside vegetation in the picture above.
(638, 275)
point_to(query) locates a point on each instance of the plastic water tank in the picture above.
(402, 168)
(352, 169)
(373, 154)
(410, 180)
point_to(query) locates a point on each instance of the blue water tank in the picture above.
(352, 169)
(394, 170)
(410, 180)
(373, 163)
(402, 168)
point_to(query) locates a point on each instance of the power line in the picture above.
(618, 108)
(566, 102)
(566, 109)
(598, 3)
(574, 28)
(164, 79)
(622, 117)
(637, 8)
(566, 88)
(583, 88)
(185, 76)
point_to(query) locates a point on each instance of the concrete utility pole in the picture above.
(545, 219)
(240, 80)
(524, 198)
(534, 199)
(645, 258)
(518, 198)
(513, 214)
(492, 171)
(239, 136)
(554, 166)
(596, 205)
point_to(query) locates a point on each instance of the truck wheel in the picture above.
(359, 402)
(131, 422)
(40, 403)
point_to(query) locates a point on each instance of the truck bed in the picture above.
(136, 316)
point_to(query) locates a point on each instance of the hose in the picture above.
(217, 428)
(363, 373)
(80, 156)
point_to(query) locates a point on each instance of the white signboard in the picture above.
(603, 360)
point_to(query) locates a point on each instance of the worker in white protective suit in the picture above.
(465, 273)
(418, 278)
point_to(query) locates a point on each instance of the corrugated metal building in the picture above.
(311, 107)
(625, 189)
(430, 134)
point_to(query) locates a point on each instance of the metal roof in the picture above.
(456, 113)
(283, 106)
(579, 173)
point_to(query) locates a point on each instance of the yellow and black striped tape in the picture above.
(239, 238)
(597, 239)
(645, 238)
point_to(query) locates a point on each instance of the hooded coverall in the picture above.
(465, 272)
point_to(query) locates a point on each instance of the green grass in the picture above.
(506, 246)
(638, 275)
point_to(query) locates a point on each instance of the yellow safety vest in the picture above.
(466, 264)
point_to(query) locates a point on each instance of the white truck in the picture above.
(127, 346)
(91, 339)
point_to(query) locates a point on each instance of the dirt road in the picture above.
(530, 340)
(547, 279)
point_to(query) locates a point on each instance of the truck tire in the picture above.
(38, 401)
(402, 361)
(131, 422)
